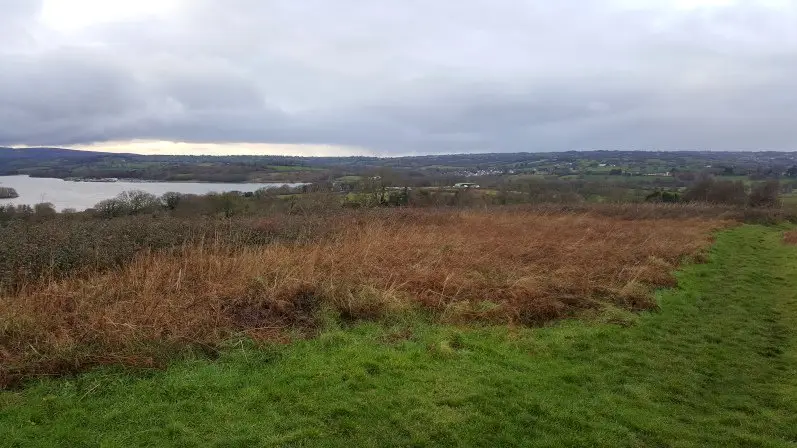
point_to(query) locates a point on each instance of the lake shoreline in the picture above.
(82, 195)
(147, 181)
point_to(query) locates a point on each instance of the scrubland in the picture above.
(711, 367)
(283, 277)
(304, 322)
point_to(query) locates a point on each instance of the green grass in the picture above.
(349, 179)
(714, 367)
(443, 167)
(293, 168)
(789, 199)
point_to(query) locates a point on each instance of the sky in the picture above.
(398, 77)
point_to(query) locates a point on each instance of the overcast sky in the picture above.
(393, 77)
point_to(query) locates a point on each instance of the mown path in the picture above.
(716, 366)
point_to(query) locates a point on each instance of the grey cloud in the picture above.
(61, 95)
(15, 19)
(411, 76)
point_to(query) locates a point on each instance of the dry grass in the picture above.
(511, 266)
(790, 237)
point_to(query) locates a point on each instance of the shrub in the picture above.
(765, 194)
(8, 193)
(137, 201)
(44, 210)
(669, 197)
(713, 191)
(111, 208)
(33, 251)
(171, 200)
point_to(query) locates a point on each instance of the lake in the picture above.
(82, 195)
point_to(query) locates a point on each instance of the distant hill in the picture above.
(421, 170)
(47, 154)
(68, 163)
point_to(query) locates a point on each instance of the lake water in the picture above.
(83, 195)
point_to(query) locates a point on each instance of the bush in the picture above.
(765, 194)
(128, 203)
(8, 193)
(137, 201)
(171, 200)
(44, 210)
(715, 191)
(669, 197)
(111, 208)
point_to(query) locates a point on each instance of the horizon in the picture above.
(232, 153)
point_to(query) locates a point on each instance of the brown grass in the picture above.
(790, 237)
(511, 266)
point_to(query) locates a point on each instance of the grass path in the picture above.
(716, 366)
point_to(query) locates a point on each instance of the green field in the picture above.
(789, 199)
(715, 366)
(349, 179)
(292, 168)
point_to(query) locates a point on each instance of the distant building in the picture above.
(466, 185)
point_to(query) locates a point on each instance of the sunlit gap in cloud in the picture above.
(73, 15)
(153, 147)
